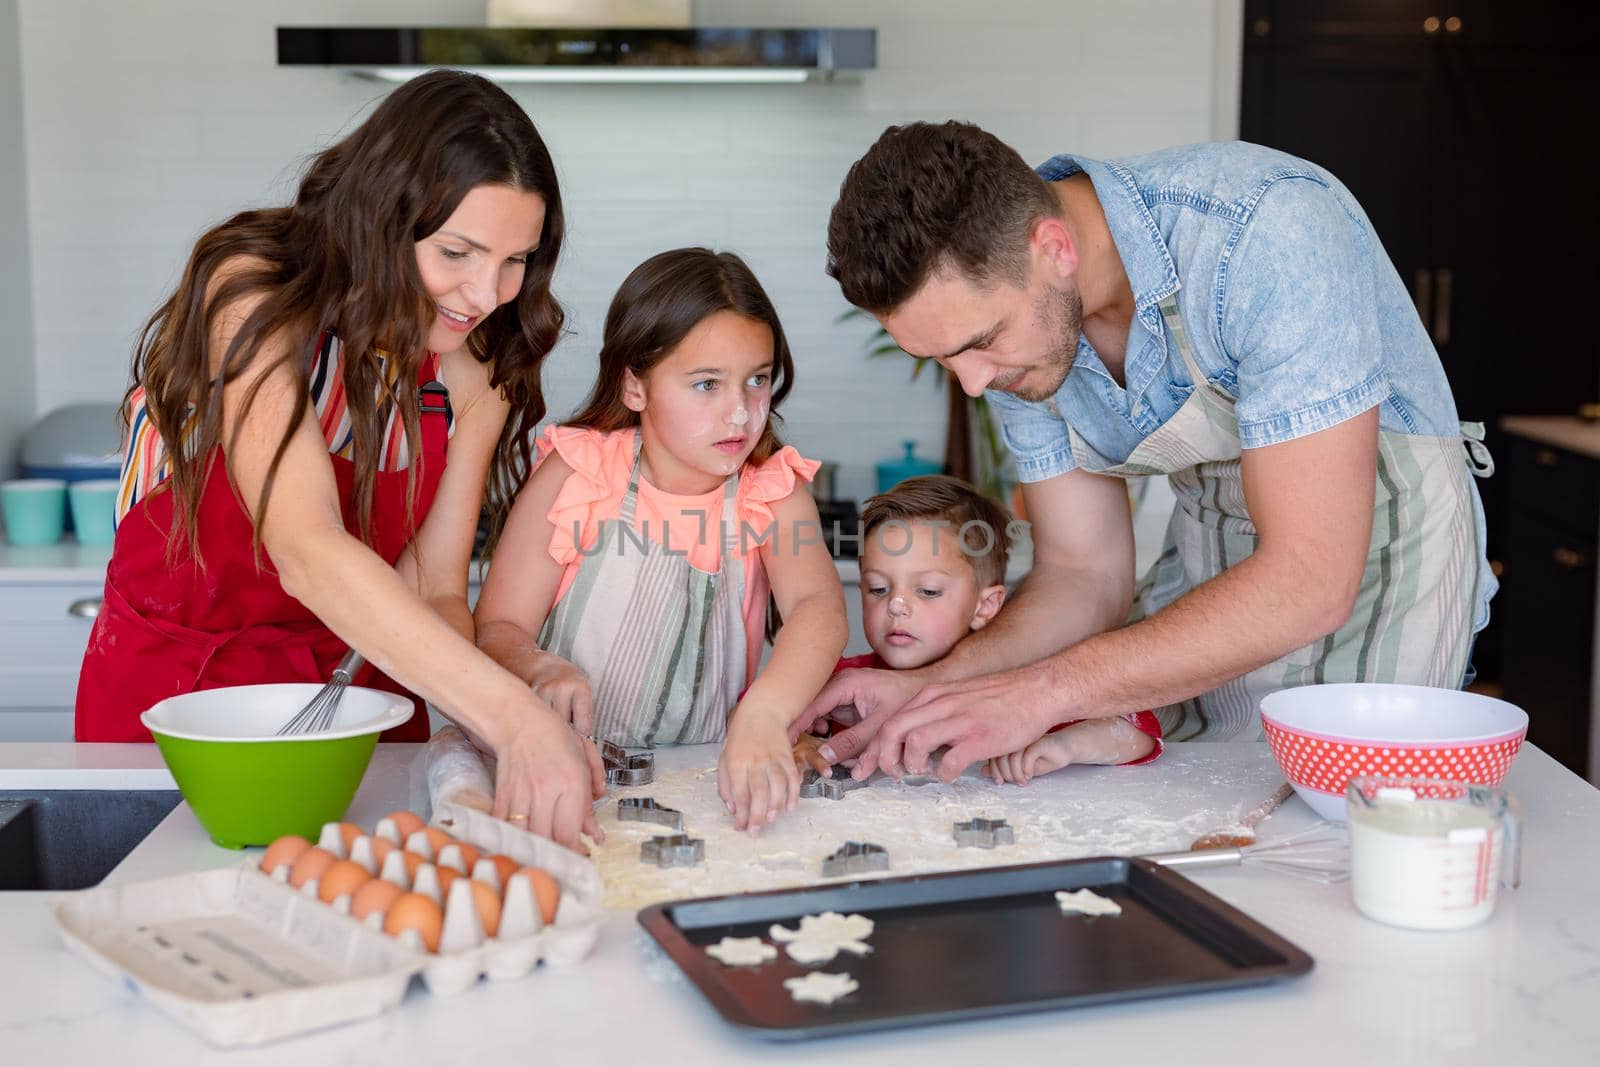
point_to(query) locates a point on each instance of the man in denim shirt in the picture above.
(1220, 314)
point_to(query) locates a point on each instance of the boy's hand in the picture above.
(756, 774)
(806, 756)
(1050, 753)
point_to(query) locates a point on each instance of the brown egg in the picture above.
(376, 895)
(412, 911)
(469, 855)
(447, 877)
(406, 822)
(504, 866)
(438, 838)
(381, 847)
(285, 849)
(546, 890)
(311, 864)
(487, 902)
(412, 862)
(348, 832)
(341, 878)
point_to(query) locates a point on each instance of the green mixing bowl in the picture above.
(250, 787)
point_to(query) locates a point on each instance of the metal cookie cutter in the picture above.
(673, 850)
(855, 857)
(983, 833)
(623, 769)
(645, 809)
(837, 783)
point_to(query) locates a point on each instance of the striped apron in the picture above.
(663, 643)
(1413, 616)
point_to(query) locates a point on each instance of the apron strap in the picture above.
(1180, 334)
(434, 406)
(630, 498)
(1479, 461)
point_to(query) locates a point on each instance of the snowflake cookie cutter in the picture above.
(673, 850)
(834, 786)
(645, 809)
(855, 857)
(983, 833)
(623, 769)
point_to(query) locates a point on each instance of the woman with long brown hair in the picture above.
(314, 415)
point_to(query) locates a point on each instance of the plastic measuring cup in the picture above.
(1430, 854)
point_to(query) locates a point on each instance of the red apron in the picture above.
(165, 630)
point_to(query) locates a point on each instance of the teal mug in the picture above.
(94, 510)
(34, 509)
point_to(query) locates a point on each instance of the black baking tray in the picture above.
(975, 944)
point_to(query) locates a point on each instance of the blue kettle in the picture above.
(892, 472)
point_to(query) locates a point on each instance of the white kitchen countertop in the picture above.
(1564, 431)
(1524, 988)
(66, 562)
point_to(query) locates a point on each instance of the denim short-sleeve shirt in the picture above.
(1290, 302)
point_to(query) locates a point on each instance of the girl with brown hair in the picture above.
(632, 587)
(314, 415)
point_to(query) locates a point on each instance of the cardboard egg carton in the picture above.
(465, 952)
(236, 957)
(243, 958)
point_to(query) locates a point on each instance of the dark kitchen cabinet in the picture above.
(1460, 126)
(1546, 608)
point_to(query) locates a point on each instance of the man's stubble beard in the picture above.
(1059, 312)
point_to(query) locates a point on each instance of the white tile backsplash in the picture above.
(146, 123)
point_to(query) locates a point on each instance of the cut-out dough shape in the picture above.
(819, 938)
(821, 988)
(1086, 902)
(741, 952)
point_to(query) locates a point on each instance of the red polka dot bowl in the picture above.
(1324, 735)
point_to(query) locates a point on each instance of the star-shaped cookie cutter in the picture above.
(673, 850)
(983, 833)
(855, 857)
(645, 809)
(623, 769)
(837, 783)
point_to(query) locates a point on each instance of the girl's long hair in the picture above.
(342, 257)
(664, 298)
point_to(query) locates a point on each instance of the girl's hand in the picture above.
(546, 777)
(564, 687)
(756, 774)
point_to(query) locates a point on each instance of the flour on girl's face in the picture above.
(707, 403)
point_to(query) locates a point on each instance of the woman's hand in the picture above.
(756, 774)
(564, 687)
(547, 777)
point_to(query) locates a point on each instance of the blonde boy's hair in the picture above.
(978, 525)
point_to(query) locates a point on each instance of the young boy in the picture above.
(933, 566)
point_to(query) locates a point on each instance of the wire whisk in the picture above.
(1319, 854)
(318, 713)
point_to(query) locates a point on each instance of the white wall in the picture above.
(146, 122)
(16, 279)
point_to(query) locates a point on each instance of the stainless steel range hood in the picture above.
(616, 55)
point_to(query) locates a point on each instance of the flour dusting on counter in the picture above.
(1060, 816)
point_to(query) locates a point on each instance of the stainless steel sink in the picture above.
(72, 838)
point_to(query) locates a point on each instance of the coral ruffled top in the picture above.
(601, 463)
